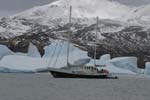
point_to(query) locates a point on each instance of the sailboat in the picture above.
(79, 71)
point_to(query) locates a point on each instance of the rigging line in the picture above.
(51, 58)
(59, 52)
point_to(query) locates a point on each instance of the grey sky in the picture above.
(134, 2)
(8, 7)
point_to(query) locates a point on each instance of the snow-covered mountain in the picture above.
(105, 9)
(140, 15)
(57, 13)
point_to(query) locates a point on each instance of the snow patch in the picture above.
(2, 29)
(105, 9)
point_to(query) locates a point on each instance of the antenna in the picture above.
(68, 48)
(70, 14)
(95, 52)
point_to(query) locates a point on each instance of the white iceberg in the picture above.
(33, 51)
(147, 69)
(32, 63)
(4, 51)
(104, 59)
(127, 63)
(77, 56)
(23, 62)
(116, 70)
(140, 71)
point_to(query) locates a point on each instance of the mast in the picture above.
(95, 52)
(68, 48)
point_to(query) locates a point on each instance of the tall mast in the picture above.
(68, 48)
(95, 52)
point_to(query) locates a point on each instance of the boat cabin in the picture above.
(85, 70)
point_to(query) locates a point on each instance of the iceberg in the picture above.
(23, 62)
(33, 51)
(116, 70)
(140, 71)
(59, 48)
(104, 59)
(147, 69)
(127, 63)
(33, 61)
(7, 70)
(4, 51)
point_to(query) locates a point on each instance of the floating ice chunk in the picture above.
(104, 59)
(33, 51)
(140, 71)
(113, 69)
(127, 63)
(19, 62)
(27, 63)
(147, 69)
(47, 51)
(4, 51)
(57, 47)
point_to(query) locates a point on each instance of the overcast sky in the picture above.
(9, 7)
